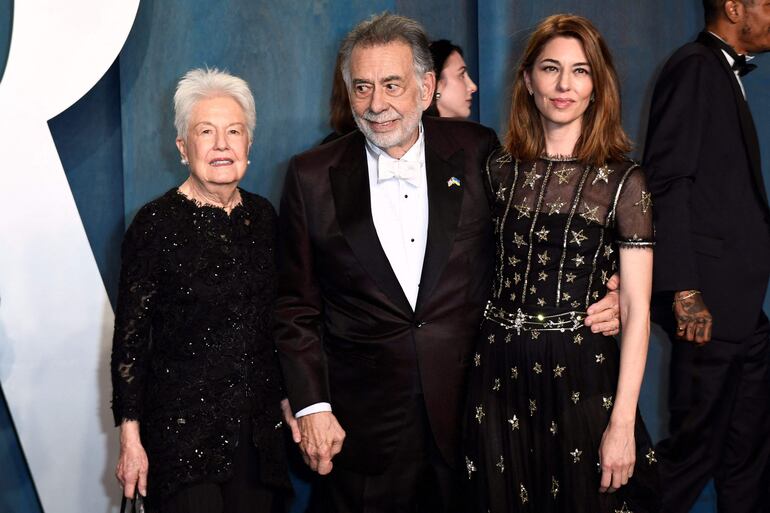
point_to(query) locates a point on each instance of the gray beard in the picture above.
(409, 123)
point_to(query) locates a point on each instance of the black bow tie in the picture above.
(741, 66)
(739, 61)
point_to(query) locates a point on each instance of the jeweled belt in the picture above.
(521, 321)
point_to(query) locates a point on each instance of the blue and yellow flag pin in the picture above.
(453, 181)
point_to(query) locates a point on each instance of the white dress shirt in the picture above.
(399, 198)
(731, 61)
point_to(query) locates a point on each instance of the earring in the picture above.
(531, 92)
(593, 97)
(248, 162)
(437, 95)
(183, 161)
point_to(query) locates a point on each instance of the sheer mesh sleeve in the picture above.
(633, 211)
(133, 320)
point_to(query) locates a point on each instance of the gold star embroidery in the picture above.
(516, 278)
(523, 494)
(504, 158)
(604, 277)
(513, 296)
(577, 339)
(607, 402)
(514, 372)
(575, 304)
(538, 368)
(491, 338)
(595, 294)
(579, 260)
(533, 290)
(576, 455)
(501, 193)
(530, 178)
(558, 371)
(607, 250)
(564, 174)
(565, 296)
(532, 407)
(519, 240)
(507, 283)
(541, 302)
(480, 413)
(600, 358)
(554, 487)
(589, 213)
(603, 174)
(534, 334)
(645, 203)
(501, 465)
(651, 457)
(553, 208)
(575, 397)
(543, 258)
(476, 360)
(554, 428)
(623, 509)
(570, 277)
(470, 467)
(523, 209)
(542, 276)
(508, 337)
(578, 237)
(514, 422)
(496, 386)
(542, 234)
(512, 260)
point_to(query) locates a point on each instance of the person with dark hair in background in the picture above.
(552, 422)
(712, 262)
(340, 116)
(454, 87)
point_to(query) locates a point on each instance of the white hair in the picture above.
(198, 84)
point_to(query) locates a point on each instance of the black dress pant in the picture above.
(242, 493)
(719, 399)
(417, 480)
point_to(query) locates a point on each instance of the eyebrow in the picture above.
(212, 124)
(559, 63)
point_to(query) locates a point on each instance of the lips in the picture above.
(561, 103)
(378, 126)
(220, 162)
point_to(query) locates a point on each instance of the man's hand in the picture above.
(290, 421)
(603, 316)
(322, 438)
(693, 319)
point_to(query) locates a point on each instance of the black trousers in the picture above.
(417, 480)
(243, 493)
(719, 399)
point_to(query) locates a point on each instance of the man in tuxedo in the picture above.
(385, 266)
(712, 261)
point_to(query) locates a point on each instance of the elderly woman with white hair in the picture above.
(196, 387)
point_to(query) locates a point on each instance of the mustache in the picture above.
(382, 117)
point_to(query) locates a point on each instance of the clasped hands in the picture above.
(319, 436)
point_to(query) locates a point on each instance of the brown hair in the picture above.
(340, 114)
(602, 137)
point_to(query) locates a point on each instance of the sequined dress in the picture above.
(192, 352)
(542, 386)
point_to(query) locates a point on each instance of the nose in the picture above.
(221, 141)
(471, 85)
(378, 102)
(564, 81)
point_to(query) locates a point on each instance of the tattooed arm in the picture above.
(693, 319)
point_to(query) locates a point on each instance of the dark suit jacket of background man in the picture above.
(346, 333)
(703, 165)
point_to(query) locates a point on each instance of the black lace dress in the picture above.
(192, 354)
(542, 385)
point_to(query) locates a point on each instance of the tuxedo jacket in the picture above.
(345, 331)
(703, 169)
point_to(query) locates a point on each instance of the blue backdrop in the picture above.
(117, 142)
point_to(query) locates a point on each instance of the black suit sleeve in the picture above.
(299, 307)
(678, 117)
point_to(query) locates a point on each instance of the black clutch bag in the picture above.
(135, 505)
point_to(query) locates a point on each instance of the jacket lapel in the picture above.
(445, 173)
(750, 140)
(352, 202)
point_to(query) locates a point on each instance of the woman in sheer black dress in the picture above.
(196, 387)
(553, 424)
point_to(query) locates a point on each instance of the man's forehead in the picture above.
(391, 52)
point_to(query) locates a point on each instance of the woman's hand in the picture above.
(288, 418)
(617, 456)
(132, 462)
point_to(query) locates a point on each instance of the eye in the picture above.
(582, 71)
(362, 89)
(206, 131)
(549, 68)
(235, 131)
